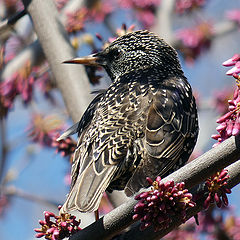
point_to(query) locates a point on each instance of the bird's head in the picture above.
(132, 52)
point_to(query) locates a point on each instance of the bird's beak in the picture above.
(91, 60)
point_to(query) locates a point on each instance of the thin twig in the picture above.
(16, 192)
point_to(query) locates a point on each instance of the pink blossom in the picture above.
(235, 62)
(43, 129)
(232, 226)
(183, 6)
(216, 185)
(230, 121)
(144, 9)
(76, 20)
(234, 15)
(57, 227)
(147, 18)
(65, 147)
(195, 40)
(100, 10)
(190, 37)
(186, 232)
(207, 221)
(232, 61)
(221, 100)
(43, 81)
(20, 83)
(12, 47)
(158, 206)
(235, 69)
(138, 3)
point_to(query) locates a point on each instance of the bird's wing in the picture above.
(170, 125)
(103, 146)
(80, 126)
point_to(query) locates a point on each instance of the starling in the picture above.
(144, 125)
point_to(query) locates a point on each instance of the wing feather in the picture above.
(170, 123)
(102, 148)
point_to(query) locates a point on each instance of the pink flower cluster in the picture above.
(138, 3)
(97, 12)
(234, 15)
(183, 6)
(20, 83)
(221, 98)
(100, 10)
(235, 62)
(43, 129)
(144, 9)
(216, 185)
(232, 226)
(76, 20)
(12, 47)
(195, 40)
(57, 227)
(230, 122)
(186, 231)
(65, 147)
(43, 81)
(158, 206)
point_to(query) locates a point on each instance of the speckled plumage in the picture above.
(144, 125)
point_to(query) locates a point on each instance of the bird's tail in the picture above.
(86, 194)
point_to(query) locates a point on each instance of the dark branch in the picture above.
(12, 20)
(8, 23)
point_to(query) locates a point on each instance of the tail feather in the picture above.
(87, 192)
(70, 131)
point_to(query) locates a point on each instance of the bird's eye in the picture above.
(114, 54)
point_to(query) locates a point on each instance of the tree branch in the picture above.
(71, 79)
(13, 191)
(7, 24)
(149, 233)
(192, 174)
(163, 25)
